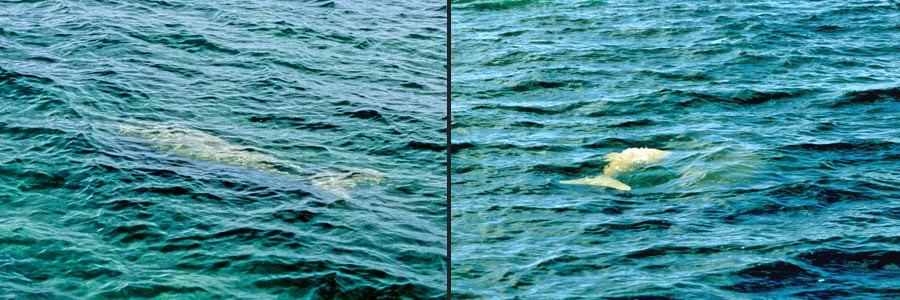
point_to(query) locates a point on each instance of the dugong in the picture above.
(628, 160)
(340, 182)
(199, 145)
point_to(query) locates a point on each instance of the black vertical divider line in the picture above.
(449, 151)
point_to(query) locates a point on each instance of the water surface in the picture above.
(782, 119)
(91, 212)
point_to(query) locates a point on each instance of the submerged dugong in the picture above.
(621, 162)
(340, 182)
(199, 145)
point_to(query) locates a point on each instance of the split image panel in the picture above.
(473, 149)
(675, 150)
(223, 149)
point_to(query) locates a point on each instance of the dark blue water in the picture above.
(782, 119)
(222, 150)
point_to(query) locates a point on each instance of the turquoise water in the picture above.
(782, 119)
(222, 150)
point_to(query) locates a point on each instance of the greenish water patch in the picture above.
(781, 119)
(256, 184)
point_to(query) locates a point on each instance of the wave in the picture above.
(637, 123)
(461, 146)
(552, 110)
(613, 228)
(850, 145)
(527, 86)
(617, 143)
(579, 168)
(823, 191)
(493, 5)
(366, 114)
(867, 97)
(842, 261)
(190, 42)
(740, 98)
(772, 276)
(21, 80)
(531, 86)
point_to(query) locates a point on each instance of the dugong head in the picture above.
(339, 182)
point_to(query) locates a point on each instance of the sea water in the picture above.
(782, 118)
(88, 211)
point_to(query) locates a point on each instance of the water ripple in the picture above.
(781, 122)
(102, 200)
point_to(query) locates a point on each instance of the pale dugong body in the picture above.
(339, 182)
(621, 162)
(199, 145)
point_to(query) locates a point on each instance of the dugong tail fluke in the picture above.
(602, 180)
(621, 162)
